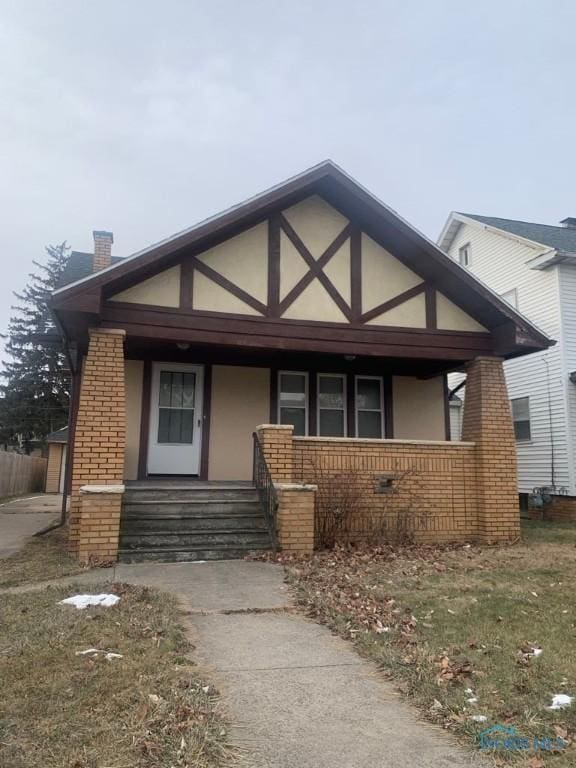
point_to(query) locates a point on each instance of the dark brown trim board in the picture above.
(274, 266)
(351, 403)
(145, 421)
(431, 321)
(274, 395)
(356, 274)
(206, 416)
(186, 284)
(447, 431)
(388, 406)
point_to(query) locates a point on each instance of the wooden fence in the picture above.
(21, 474)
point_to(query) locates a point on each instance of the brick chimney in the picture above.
(102, 250)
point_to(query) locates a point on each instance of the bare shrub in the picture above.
(351, 508)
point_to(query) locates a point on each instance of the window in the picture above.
(521, 418)
(293, 400)
(176, 407)
(331, 405)
(511, 297)
(464, 255)
(369, 410)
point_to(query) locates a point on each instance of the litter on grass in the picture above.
(108, 655)
(560, 701)
(479, 718)
(83, 601)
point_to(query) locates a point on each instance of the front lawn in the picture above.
(460, 629)
(41, 559)
(61, 708)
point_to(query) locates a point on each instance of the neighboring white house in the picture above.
(533, 266)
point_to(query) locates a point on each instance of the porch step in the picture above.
(238, 539)
(168, 555)
(190, 507)
(183, 522)
(187, 521)
(190, 494)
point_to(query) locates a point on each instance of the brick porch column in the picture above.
(99, 448)
(276, 441)
(488, 423)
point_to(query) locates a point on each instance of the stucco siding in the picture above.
(240, 402)
(418, 407)
(162, 290)
(134, 372)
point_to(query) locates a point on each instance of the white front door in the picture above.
(176, 419)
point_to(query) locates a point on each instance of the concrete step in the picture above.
(169, 555)
(206, 539)
(191, 494)
(190, 507)
(183, 523)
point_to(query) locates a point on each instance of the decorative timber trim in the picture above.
(356, 273)
(229, 286)
(430, 298)
(315, 268)
(394, 302)
(274, 266)
(186, 284)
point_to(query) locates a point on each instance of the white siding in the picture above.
(500, 262)
(567, 280)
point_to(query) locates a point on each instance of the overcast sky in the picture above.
(143, 117)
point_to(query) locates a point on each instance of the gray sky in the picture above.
(143, 117)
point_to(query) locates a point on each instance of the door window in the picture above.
(176, 407)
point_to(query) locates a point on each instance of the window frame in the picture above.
(379, 379)
(306, 398)
(466, 250)
(344, 409)
(522, 421)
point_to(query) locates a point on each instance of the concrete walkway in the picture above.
(298, 696)
(22, 518)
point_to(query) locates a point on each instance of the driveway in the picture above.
(299, 697)
(22, 518)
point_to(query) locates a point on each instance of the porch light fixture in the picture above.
(349, 358)
(183, 345)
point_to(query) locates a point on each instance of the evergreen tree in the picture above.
(35, 395)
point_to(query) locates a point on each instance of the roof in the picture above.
(326, 179)
(560, 238)
(78, 267)
(59, 436)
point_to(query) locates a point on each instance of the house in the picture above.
(532, 267)
(310, 326)
(56, 466)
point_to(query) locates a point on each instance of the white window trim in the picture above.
(306, 397)
(523, 440)
(370, 410)
(345, 395)
(466, 247)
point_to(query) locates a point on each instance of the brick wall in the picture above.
(295, 517)
(432, 495)
(433, 491)
(99, 524)
(488, 423)
(99, 442)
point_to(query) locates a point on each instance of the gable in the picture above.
(307, 262)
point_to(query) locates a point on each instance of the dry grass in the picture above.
(443, 620)
(41, 559)
(62, 710)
